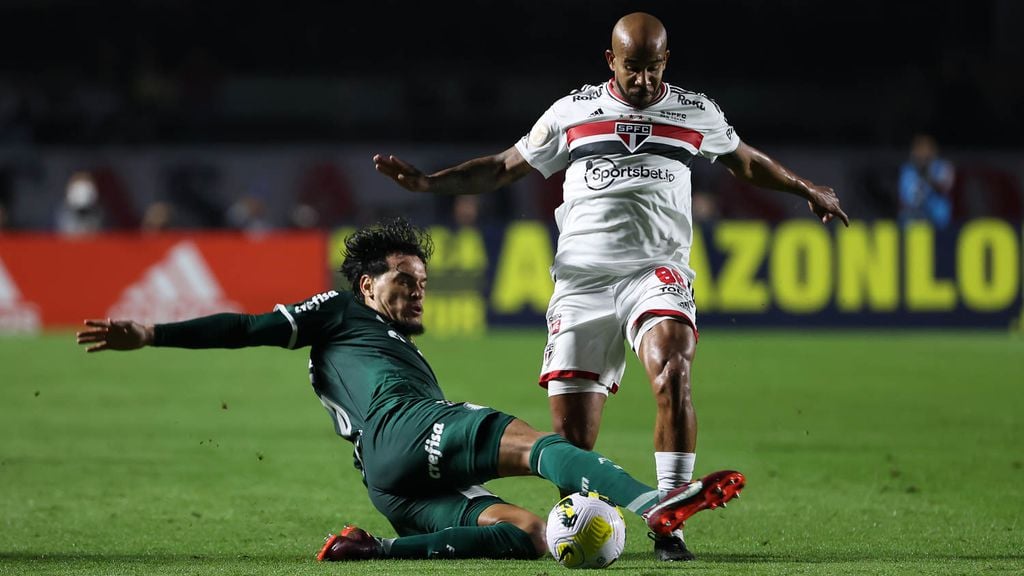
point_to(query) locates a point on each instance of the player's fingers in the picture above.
(97, 347)
(405, 166)
(84, 337)
(98, 323)
(388, 170)
(842, 216)
(384, 163)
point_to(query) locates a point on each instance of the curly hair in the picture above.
(367, 249)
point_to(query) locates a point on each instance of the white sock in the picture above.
(674, 469)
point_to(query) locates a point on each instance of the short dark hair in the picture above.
(367, 249)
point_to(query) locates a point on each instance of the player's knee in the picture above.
(671, 384)
(528, 537)
(535, 528)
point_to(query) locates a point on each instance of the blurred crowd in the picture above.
(97, 73)
(97, 201)
(82, 82)
(925, 185)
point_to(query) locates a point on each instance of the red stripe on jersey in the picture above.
(687, 135)
(691, 137)
(590, 129)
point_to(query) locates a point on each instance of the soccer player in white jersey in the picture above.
(625, 230)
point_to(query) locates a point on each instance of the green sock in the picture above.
(500, 541)
(574, 469)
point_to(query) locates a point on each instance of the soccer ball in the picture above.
(585, 530)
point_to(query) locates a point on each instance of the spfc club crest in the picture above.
(632, 134)
(554, 323)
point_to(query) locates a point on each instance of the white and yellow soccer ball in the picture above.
(585, 530)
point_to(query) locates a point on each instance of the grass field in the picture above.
(866, 453)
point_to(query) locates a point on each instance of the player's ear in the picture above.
(609, 56)
(366, 286)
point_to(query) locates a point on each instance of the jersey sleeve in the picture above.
(313, 319)
(223, 331)
(719, 137)
(544, 147)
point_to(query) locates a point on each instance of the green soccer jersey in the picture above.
(359, 364)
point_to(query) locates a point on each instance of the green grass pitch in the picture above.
(891, 452)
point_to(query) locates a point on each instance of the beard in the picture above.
(408, 328)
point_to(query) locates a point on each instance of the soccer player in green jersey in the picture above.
(423, 459)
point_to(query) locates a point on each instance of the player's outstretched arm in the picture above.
(115, 335)
(223, 330)
(475, 176)
(756, 167)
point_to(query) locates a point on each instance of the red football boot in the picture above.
(351, 544)
(710, 492)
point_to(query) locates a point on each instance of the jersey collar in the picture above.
(614, 91)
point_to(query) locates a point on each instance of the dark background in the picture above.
(865, 73)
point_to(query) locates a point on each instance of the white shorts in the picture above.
(587, 325)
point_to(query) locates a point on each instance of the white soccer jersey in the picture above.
(626, 199)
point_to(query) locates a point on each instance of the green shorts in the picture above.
(423, 515)
(425, 462)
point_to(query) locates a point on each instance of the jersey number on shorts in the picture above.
(669, 275)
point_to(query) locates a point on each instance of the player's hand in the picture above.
(407, 175)
(115, 335)
(825, 204)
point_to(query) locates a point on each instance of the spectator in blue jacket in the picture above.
(926, 184)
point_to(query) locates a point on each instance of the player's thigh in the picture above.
(667, 347)
(432, 446)
(411, 515)
(584, 341)
(649, 298)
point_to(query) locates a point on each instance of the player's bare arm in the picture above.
(115, 335)
(475, 176)
(752, 165)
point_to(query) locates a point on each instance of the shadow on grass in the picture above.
(710, 558)
(170, 558)
(770, 558)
